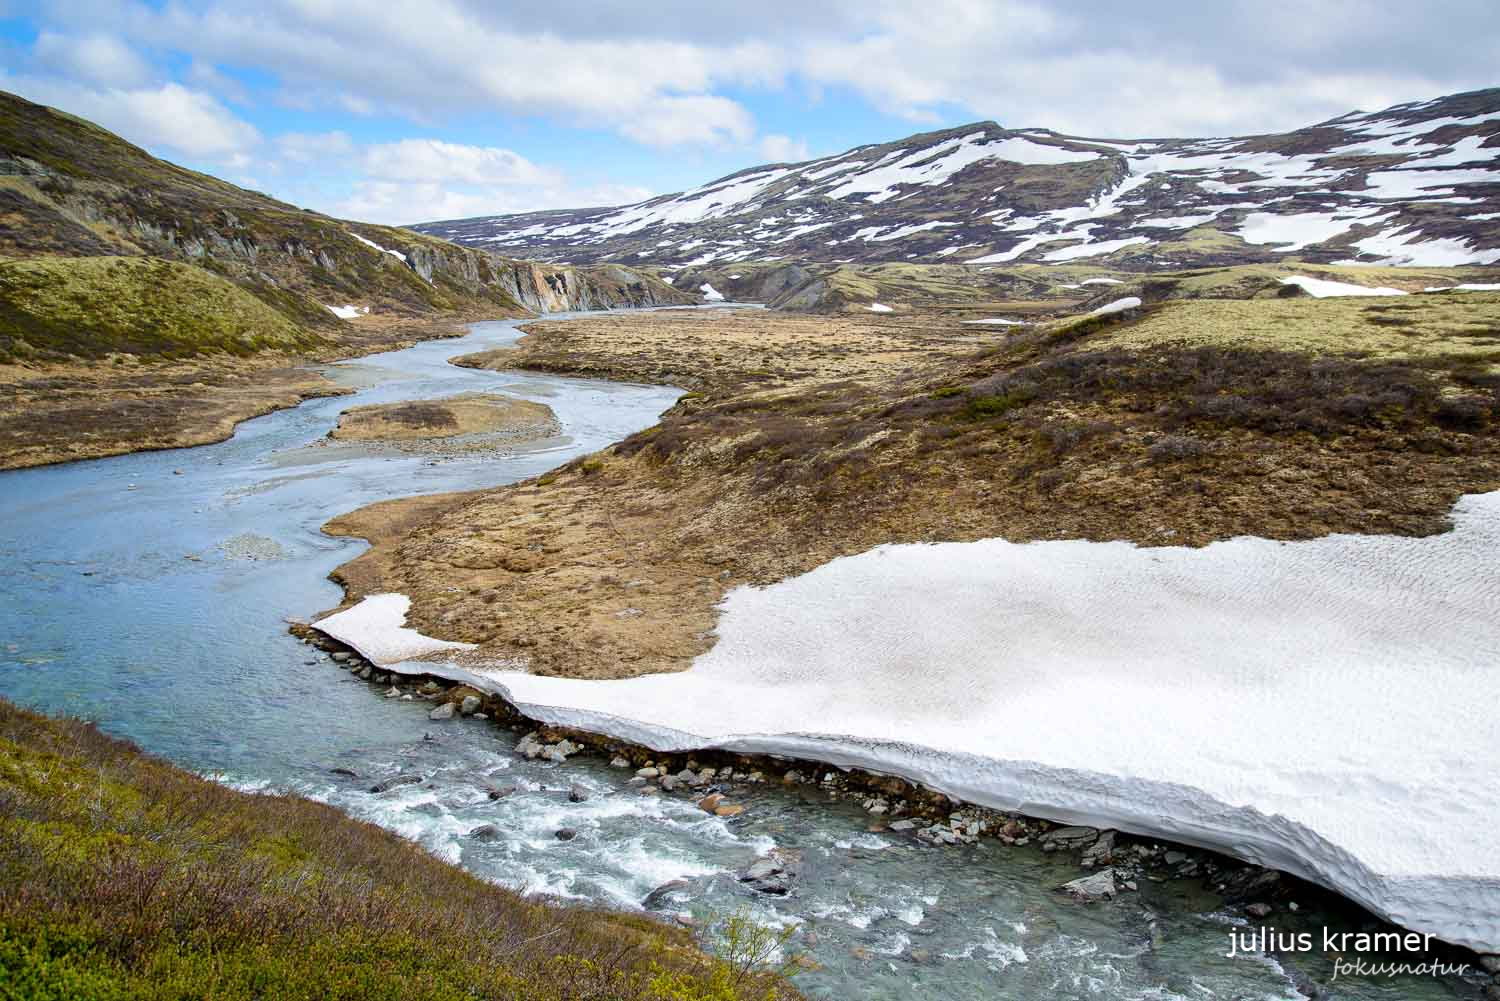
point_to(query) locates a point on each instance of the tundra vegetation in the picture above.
(807, 438)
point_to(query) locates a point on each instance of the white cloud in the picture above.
(434, 161)
(401, 202)
(315, 147)
(94, 59)
(783, 149)
(169, 117)
(700, 120)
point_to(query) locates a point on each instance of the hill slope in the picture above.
(1414, 184)
(69, 188)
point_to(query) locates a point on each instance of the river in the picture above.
(151, 591)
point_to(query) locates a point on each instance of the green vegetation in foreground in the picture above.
(91, 307)
(123, 877)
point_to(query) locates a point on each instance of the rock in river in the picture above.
(444, 711)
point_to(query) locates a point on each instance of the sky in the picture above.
(410, 112)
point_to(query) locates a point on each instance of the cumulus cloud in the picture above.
(432, 160)
(402, 202)
(1090, 66)
(94, 59)
(170, 116)
(783, 149)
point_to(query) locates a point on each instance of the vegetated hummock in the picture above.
(476, 414)
(809, 438)
(123, 877)
(1417, 184)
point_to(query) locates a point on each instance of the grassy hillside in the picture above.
(122, 877)
(90, 307)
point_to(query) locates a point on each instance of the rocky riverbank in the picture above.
(1109, 864)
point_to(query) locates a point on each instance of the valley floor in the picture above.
(805, 439)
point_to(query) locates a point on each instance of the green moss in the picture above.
(91, 307)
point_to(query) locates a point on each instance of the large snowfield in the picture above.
(1325, 707)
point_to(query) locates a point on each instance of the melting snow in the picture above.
(1322, 288)
(347, 312)
(1118, 306)
(375, 246)
(1324, 707)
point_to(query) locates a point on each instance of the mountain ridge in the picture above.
(1416, 183)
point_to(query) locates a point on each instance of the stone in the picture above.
(648, 772)
(1099, 886)
(385, 785)
(577, 794)
(669, 783)
(346, 772)
(660, 895)
(619, 762)
(554, 755)
(1259, 909)
(566, 834)
(1174, 858)
(470, 705)
(728, 810)
(1101, 852)
(485, 832)
(444, 711)
(365, 673)
(341, 656)
(393, 692)
(687, 777)
(1069, 838)
(711, 802)
(498, 792)
(902, 825)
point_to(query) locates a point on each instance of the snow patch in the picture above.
(710, 293)
(1118, 306)
(1322, 288)
(878, 307)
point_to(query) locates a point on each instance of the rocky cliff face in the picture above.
(1416, 184)
(72, 189)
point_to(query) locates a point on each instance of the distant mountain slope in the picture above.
(70, 189)
(1415, 184)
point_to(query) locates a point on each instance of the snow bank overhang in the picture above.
(1324, 707)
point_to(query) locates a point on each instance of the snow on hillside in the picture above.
(1413, 184)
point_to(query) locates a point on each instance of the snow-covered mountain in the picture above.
(1414, 184)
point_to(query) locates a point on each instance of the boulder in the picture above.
(444, 711)
(619, 762)
(577, 794)
(385, 785)
(566, 834)
(657, 897)
(711, 802)
(485, 832)
(348, 773)
(341, 656)
(470, 705)
(1099, 886)
(498, 792)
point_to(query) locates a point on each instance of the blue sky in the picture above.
(410, 112)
